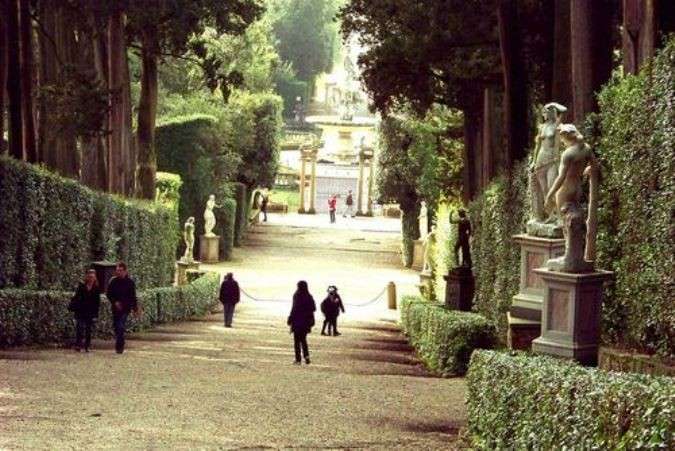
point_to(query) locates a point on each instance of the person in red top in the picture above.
(332, 206)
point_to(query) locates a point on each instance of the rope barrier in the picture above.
(363, 304)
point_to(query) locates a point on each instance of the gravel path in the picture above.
(197, 385)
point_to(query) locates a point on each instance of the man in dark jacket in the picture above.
(122, 295)
(229, 296)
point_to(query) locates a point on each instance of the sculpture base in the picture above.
(182, 267)
(521, 333)
(426, 285)
(459, 289)
(418, 255)
(544, 229)
(104, 272)
(534, 253)
(570, 324)
(208, 248)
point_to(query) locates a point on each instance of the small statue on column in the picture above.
(463, 237)
(189, 237)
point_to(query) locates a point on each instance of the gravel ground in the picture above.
(197, 385)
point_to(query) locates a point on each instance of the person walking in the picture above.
(301, 320)
(85, 305)
(349, 205)
(122, 295)
(331, 307)
(263, 205)
(229, 297)
(332, 206)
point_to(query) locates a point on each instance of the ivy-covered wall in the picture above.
(53, 228)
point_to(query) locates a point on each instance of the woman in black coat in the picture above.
(301, 320)
(85, 305)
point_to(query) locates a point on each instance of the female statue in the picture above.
(576, 162)
(189, 237)
(209, 216)
(544, 166)
(423, 220)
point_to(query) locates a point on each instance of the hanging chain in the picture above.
(363, 304)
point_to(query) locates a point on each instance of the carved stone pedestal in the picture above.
(418, 255)
(522, 332)
(570, 323)
(426, 285)
(182, 268)
(459, 289)
(208, 248)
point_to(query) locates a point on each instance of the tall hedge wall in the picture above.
(241, 217)
(442, 256)
(36, 316)
(53, 228)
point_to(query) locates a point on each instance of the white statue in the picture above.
(544, 170)
(579, 229)
(209, 216)
(424, 220)
(429, 243)
(189, 237)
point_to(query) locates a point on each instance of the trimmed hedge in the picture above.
(442, 255)
(444, 339)
(241, 216)
(524, 402)
(34, 316)
(53, 228)
(168, 188)
(225, 223)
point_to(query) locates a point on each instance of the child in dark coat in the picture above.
(331, 307)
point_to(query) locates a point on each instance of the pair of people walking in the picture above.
(85, 305)
(348, 210)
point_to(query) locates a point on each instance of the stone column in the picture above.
(369, 203)
(312, 189)
(359, 189)
(301, 209)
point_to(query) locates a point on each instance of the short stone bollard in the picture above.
(391, 295)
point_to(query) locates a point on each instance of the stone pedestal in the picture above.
(208, 248)
(570, 322)
(534, 252)
(418, 255)
(522, 332)
(182, 267)
(104, 272)
(459, 289)
(426, 285)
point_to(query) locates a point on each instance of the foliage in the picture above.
(53, 228)
(410, 231)
(442, 255)
(524, 402)
(225, 223)
(496, 215)
(444, 339)
(168, 189)
(240, 222)
(289, 88)
(33, 316)
(636, 230)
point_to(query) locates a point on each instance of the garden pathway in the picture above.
(198, 385)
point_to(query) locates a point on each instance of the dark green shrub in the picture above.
(225, 222)
(168, 189)
(442, 256)
(410, 231)
(241, 220)
(35, 316)
(53, 228)
(524, 402)
(444, 339)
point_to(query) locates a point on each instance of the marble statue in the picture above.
(429, 243)
(209, 216)
(423, 220)
(299, 110)
(543, 172)
(463, 237)
(189, 237)
(579, 228)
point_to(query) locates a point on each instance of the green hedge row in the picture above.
(444, 339)
(524, 402)
(241, 216)
(442, 255)
(225, 223)
(53, 228)
(36, 316)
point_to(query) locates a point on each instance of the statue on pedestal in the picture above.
(423, 220)
(429, 242)
(463, 236)
(579, 228)
(189, 237)
(299, 111)
(209, 216)
(543, 172)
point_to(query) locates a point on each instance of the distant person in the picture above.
(332, 206)
(85, 305)
(229, 297)
(263, 205)
(122, 295)
(331, 307)
(349, 205)
(301, 320)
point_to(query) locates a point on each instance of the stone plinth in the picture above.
(104, 272)
(570, 321)
(418, 255)
(208, 248)
(522, 332)
(426, 285)
(459, 289)
(534, 253)
(182, 267)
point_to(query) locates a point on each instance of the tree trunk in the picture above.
(472, 112)
(3, 74)
(147, 110)
(14, 80)
(561, 84)
(591, 53)
(516, 107)
(639, 33)
(488, 144)
(26, 70)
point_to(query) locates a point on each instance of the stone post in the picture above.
(312, 189)
(369, 203)
(391, 296)
(359, 189)
(302, 182)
